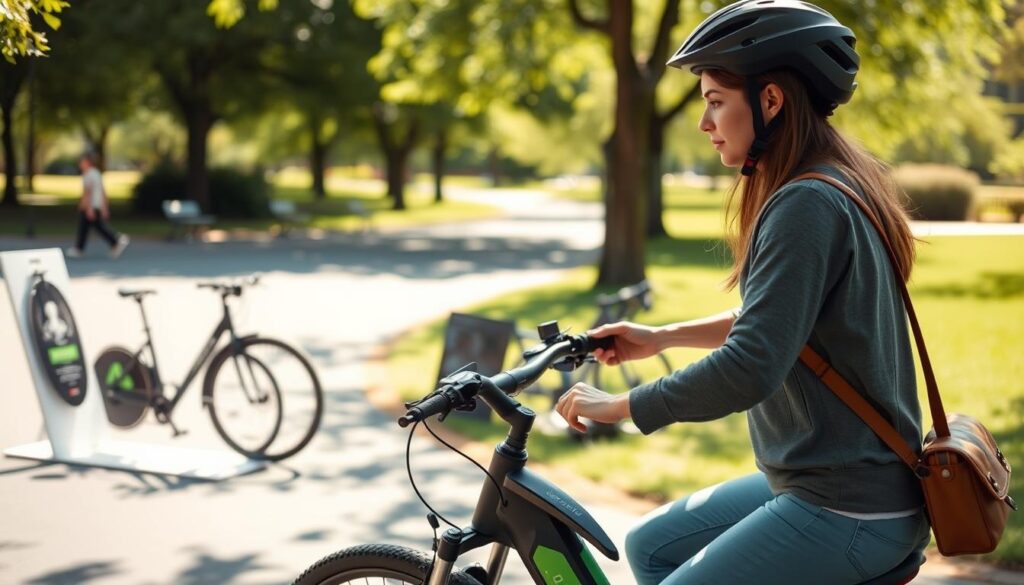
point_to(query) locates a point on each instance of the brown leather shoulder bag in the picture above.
(964, 475)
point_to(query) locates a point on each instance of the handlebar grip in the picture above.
(593, 343)
(438, 403)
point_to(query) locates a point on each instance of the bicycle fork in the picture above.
(450, 546)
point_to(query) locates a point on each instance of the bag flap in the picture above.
(972, 442)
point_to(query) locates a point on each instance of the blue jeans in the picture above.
(739, 532)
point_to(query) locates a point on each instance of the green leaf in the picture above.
(226, 13)
(51, 20)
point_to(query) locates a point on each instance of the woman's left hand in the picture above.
(589, 402)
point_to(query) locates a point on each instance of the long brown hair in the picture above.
(804, 138)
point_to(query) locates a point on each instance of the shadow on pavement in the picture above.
(82, 573)
(425, 257)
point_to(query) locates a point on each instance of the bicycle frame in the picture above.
(224, 326)
(528, 514)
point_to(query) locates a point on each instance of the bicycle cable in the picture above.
(412, 481)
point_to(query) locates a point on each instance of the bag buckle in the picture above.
(992, 480)
(922, 471)
(1002, 460)
(1009, 502)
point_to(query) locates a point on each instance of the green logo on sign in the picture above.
(63, 354)
(116, 375)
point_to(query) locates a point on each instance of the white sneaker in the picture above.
(73, 253)
(122, 243)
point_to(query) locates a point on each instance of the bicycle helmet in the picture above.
(752, 37)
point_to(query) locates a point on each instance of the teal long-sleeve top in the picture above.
(816, 272)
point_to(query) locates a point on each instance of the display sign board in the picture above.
(470, 338)
(75, 420)
(56, 340)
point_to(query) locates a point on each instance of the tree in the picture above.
(208, 73)
(89, 81)
(436, 63)
(18, 34)
(321, 71)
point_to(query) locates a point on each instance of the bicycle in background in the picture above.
(263, 395)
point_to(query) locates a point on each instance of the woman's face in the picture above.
(727, 120)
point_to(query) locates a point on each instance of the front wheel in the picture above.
(375, 564)
(264, 398)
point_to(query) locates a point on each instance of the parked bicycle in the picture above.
(263, 396)
(516, 509)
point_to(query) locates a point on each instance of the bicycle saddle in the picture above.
(136, 293)
(902, 574)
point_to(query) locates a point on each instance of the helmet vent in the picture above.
(748, 42)
(838, 56)
(728, 30)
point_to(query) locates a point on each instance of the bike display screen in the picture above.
(56, 341)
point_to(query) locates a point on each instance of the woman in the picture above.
(831, 503)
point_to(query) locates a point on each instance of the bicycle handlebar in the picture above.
(234, 288)
(450, 396)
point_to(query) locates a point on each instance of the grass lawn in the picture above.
(58, 195)
(968, 291)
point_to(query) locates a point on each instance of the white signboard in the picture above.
(70, 399)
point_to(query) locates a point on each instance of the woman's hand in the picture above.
(90, 214)
(632, 342)
(587, 401)
(105, 212)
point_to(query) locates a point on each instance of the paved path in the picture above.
(337, 298)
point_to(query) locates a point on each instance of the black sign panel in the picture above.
(56, 340)
(469, 338)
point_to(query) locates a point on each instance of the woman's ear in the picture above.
(772, 100)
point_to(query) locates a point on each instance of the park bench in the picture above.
(360, 210)
(186, 218)
(288, 214)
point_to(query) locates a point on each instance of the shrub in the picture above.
(163, 182)
(65, 165)
(232, 193)
(937, 192)
(237, 194)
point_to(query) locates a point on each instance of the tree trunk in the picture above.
(192, 95)
(622, 259)
(12, 78)
(396, 161)
(440, 146)
(10, 159)
(198, 121)
(494, 166)
(654, 170)
(30, 140)
(98, 143)
(317, 166)
(396, 154)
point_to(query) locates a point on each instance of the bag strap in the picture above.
(842, 388)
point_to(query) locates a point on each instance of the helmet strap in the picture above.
(762, 132)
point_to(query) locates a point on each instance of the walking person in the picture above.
(831, 503)
(94, 211)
